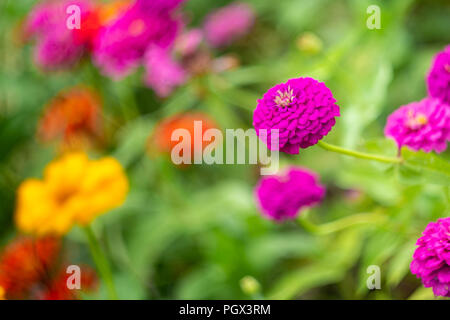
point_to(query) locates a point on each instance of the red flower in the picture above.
(58, 289)
(25, 262)
(30, 269)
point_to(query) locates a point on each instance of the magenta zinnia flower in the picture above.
(56, 45)
(282, 197)
(431, 260)
(438, 80)
(227, 24)
(302, 109)
(163, 73)
(421, 125)
(121, 45)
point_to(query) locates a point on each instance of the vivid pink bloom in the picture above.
(229, 23)
(282, 197)
(163, 73)
(56, 45)
(438, 80)
(431, 260)
(188, 42)
(423, 125)
(159, 5)
(302, 109)
(121, 45)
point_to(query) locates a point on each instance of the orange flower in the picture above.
(161, 138)
(73, 116)
(25, 262)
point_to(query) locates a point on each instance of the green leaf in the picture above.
(301, 280)
(426, 167)
(399, 265)
(379, 248)
(132, 140)
(422, 294)
(331, 268)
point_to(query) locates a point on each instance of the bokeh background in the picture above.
(195, 232)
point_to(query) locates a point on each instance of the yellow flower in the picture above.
(2, 293)
(75, 190)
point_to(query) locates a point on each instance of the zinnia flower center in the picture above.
(416, 121)
(284, 99)
(64, 194)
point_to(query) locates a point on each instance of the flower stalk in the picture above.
(357, 154)
(340, 224)
(101, 262)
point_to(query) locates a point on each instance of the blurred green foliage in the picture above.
(194, 233)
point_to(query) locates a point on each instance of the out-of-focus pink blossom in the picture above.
(163, 74)
(56, 45)
(120, 46)
(229, 23)
(188, 42)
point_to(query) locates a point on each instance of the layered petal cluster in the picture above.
(57, 45)
(423, 125)
(431, 260)
(438, 80)
(303, 111)
(283, 196)
(75, 190)
(121, 45)
(163, 73)
(227, 24)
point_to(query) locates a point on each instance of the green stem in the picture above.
(357, 154)
(101, 262)
(337, 225)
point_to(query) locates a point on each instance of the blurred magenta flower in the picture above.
(423, 125)
(282, 197)
(227, 24)
(302, 109)
(431, 260)
(57, 47)
(159, 5)
(438, 79)
(121, 45)
(163, 74)
(188, 42)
